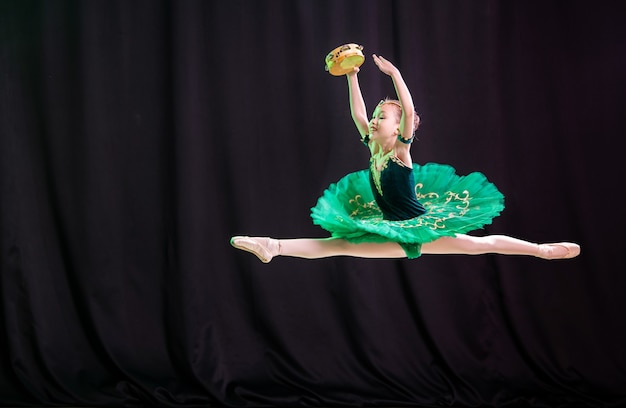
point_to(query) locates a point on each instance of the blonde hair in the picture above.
(416, 118)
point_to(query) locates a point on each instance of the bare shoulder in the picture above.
(403, 153)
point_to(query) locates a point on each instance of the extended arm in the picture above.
(357, 105)
(408, 112)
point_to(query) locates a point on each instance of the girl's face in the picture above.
(384, 123)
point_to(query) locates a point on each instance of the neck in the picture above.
(387, 147)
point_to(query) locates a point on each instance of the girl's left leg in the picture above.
(499, 244)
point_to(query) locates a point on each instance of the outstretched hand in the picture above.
(385, 66)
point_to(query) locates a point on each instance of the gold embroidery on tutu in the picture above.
(437, 213)
(359, 205)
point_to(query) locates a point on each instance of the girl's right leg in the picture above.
(312, 248)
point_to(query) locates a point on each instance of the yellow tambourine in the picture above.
(344, 58)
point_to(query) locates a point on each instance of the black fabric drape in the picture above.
(136, 137)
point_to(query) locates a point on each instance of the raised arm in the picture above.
(357, 105)
(408, 112)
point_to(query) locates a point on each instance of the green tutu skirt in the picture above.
(454, 205)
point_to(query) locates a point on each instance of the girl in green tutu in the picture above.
(396, 208)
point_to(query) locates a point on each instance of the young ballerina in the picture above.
(399, 209)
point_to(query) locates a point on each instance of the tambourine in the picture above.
(344, 58)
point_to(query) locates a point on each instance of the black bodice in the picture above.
(394, 191)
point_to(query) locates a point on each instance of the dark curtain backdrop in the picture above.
(136, 137)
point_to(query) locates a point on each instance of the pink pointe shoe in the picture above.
(559, 250)
(264, 248)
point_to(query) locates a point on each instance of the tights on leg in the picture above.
(312, 248)
(471, 245)
(460, 244)
(266, 248)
